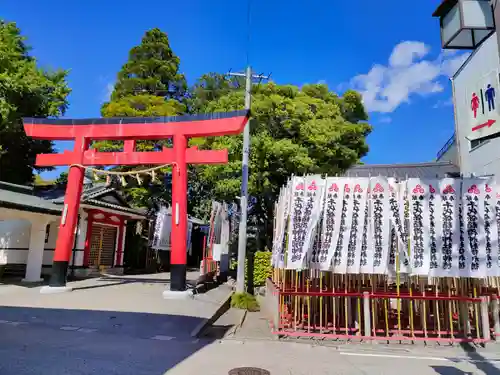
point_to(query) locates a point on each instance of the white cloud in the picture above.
(408, 73)
(108, 90)
(443, 103)
(404, 53)
(385, 120)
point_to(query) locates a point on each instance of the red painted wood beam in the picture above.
(92, 157)
(131, 131)
(129, 146)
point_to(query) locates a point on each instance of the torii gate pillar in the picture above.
(129, 130)
(178, 256)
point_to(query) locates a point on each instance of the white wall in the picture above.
(15, 235)
(14, 240)
(485, 158)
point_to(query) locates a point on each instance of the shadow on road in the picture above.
(196, 286)
(478, 360)
(95, 286)
(95, 342)
(475, 358)
(447, 370)
(133, 279)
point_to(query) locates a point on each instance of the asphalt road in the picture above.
(112, 344)
(92, 342)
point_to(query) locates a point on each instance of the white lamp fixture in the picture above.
(465, 24)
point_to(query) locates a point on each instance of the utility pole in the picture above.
(242, 235)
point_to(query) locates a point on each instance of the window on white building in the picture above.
(476, 143)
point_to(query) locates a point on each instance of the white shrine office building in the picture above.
(475, 147)
(29, 221)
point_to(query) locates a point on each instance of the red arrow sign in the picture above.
(486, 124)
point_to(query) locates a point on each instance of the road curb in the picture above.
(234, 329)
(242, 319)
(223, 307)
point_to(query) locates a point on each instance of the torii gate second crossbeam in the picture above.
(84, 131)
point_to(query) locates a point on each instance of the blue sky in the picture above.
(389, 50)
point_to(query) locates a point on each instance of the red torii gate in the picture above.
(83, 131)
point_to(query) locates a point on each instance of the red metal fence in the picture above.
(332, 308)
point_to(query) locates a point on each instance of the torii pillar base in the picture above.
(55, 289)
(168, 293)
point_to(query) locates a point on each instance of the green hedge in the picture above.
(262, 267)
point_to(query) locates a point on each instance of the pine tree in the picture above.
(148, 85)
(152, 69)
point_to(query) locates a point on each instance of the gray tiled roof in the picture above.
(22, 198)
(56, 195)
(416, 170)
(91, 194)
(27, 198)
(98, 203)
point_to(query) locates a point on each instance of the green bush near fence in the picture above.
(244, 301)
(262, 267)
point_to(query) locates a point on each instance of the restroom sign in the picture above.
(483, 107)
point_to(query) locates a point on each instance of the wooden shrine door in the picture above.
(102, 245)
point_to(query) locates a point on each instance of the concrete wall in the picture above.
(484, 158)
(15, 237)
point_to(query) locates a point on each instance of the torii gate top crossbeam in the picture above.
(205, 125)
(131, 129)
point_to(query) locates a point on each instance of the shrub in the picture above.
(262, 268)
(244, 301)
(233, 265)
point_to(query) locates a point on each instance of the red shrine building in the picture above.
(29, 227)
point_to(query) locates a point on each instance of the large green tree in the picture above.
(152, 68)
(210, 87)
(294, 131)
(26, 90)
(148, 85)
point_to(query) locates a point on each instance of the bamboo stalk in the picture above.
(346, 308)
(359, 309)
(474, 288)
(321, 302)
(437, 315)
(450, 308)
(296, 300)
(424, 310)
(398, 301)
(308, 307)
(411, 309)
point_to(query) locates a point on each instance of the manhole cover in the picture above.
(248, 371)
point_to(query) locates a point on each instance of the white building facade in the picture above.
(29, 227)
(474, 147)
